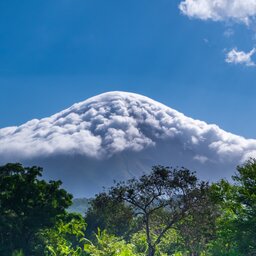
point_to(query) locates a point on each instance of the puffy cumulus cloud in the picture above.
(220, 10)
(240, 57)
(118, 122)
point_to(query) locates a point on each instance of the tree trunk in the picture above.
(151, 251)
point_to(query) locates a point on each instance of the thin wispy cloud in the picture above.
(229, 32)
(239, 57)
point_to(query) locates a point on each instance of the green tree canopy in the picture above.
(27, 205)
(66, 238)
(236, 227)
(245, 198)
(106, 213)
(162, 198)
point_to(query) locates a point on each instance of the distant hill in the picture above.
(80, 205)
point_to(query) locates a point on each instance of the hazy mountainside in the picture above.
(117, 135)
(79, 205)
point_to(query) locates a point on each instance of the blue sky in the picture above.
(56, 53)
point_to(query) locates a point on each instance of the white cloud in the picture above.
(240, 57)
(116, 122)
(201, 159)
(220, 10)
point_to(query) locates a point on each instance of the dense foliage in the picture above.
(27, 205)
(109, 214)
(166, 212)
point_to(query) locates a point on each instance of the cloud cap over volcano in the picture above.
(115, 133)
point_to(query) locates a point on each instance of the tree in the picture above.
(224, 243)
(199, 228)
(66, 238)
(162, 198)
(237, 224)
(108, 245)
(28, 204)
(169, 245)
(245, 203)
(107, 213)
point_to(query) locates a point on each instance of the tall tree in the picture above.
(199, 228)
(237, 225)
(27, 205)
(163, 198)
(106, 213)
(245, 198)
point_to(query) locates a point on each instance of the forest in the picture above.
(167, 211)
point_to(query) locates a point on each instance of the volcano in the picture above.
(118, 135)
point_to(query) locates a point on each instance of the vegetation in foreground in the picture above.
(166, 212)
